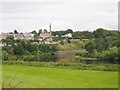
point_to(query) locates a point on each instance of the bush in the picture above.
(6, 56)
(78, 66)
(111, 55)
(47, 48)
(41, 57)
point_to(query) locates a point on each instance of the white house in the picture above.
(68, 35)
(24, 36)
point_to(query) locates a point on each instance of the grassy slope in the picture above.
(74, 45)
(38, 77)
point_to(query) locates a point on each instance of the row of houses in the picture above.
(17, 36)
(28, 36)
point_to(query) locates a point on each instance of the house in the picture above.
(26, 36)
(17, 36)
(68, 35)
(46, 35)
(5, 35)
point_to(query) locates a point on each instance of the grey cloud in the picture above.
(28, 16)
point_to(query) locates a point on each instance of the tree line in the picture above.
(101, 43)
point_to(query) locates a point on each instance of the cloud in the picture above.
(76, 15)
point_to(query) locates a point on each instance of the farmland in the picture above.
(43, 77)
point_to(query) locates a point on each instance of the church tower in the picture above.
(50, 32)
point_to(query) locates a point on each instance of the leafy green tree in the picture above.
(100, 32)
(15, 32)
(18, 49)
(45, 31)
(9, 40)
(40, 31)
(35, 34)
(5, 55)
(101, 44)
(23, 43)
(31, 47)
(69, 31)
(90, 47)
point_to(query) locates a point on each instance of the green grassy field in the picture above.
(39, 77)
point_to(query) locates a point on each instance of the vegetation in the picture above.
(100, 44)
(99, 53)
(66, 65)
(27, 51)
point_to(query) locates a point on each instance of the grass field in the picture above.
(39, 77)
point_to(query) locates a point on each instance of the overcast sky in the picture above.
(77, 15)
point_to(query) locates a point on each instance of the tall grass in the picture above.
(78, 66)
(11, 82)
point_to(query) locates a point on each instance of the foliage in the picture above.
(108, 56)
(62, 42)
(90, 47)
(18, 49)
(66, 65)
(40, 57)
(83, 35)
(111, 54)
(47, 48)
(7, 56)
(15, 32)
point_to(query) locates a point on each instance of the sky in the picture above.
(78, 15)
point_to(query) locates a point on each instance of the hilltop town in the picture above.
(42, 35)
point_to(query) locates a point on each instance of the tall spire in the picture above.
(50, 27)
(50, 32)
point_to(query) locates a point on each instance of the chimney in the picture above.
(50, 32)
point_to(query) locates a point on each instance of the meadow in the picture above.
(19, 76)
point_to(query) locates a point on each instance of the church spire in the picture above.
(50, 32)
(50, 27)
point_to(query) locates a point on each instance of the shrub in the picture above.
(41, 57)
(6, 56)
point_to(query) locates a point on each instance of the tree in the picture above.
(35, 34)
(40, 31)
(90, 47)
(30, 47)
(18, 49)
(45, 31)
(5, 55)
(9, 40)
(101, 44)
(100, 32)
(69, 31)
(15, 32)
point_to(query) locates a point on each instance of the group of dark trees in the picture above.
(60, 33)
(103, 40)
(27, 50)
(103, 45)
